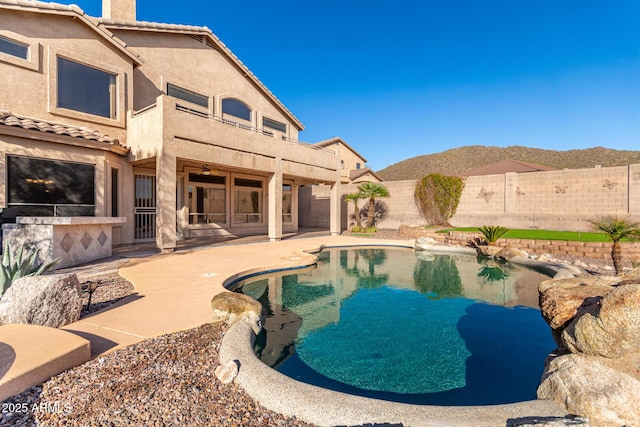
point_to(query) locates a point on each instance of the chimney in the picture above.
(119, 9)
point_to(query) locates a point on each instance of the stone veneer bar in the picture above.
(72, 240)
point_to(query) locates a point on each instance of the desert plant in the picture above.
(492, 233)
(617, 228)
(355, 198)
(372, 191)
(17, 265)
(437, 197)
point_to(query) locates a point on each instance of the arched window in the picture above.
(236, 108)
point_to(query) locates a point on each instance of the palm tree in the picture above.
(617, 228)
(372, 191)
(355, 198)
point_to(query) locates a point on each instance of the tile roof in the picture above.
(357, 173)
(75, 11)
(338, 140)
(505, 166)
(9, 119)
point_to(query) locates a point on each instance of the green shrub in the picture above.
(15, 266)
(437, 197)
(492, 233)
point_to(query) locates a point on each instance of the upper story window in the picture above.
(236, 108)
(187, 95)
(358, 165)
(14, 48)
(86, 89)
(269, 123)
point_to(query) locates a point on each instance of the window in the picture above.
(187, 95)
(287, 203)
(266, 122)
(41, 187)
(14, 48)
(358, 165)
(236, 108)
(114, 191)
(207, 199)
(86, 89)
(247, 201)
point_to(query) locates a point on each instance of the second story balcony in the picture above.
(171, 124)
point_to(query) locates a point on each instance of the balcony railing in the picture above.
(248, 128)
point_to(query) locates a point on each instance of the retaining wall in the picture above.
(598, 250)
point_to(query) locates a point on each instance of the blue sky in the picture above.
(396, 79)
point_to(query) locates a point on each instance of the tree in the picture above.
(372, 191)
(355, 198)
(617, 228)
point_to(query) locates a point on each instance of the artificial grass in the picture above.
(570, 236)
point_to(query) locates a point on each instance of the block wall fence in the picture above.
(556, 200)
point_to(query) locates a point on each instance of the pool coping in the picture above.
(326, 407)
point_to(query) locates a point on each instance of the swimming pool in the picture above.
(405, 326)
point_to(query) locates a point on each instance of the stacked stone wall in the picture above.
(597, 250)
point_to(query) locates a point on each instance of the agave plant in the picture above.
(20, 264)
(492, 233)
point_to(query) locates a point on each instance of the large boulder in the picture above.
(508, 253)
(51, 300)
(610, 328)
(426, 243)
(231, 307)
(585, 386)
(562, 299)
(488, 251)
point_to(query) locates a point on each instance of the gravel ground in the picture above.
(110, 288)
(165, 381)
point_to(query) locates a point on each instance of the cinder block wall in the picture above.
(555, 200)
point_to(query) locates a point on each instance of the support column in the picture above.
(510, 183)
(334, 203)
(634, 189)
(166, 201)
(275, 203)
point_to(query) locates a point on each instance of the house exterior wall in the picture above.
(167, 137)
(56, 149)
(50, 36)
(181, 60)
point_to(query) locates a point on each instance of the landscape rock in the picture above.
(546, 258)
(569, 420)
(508, 253)
(488, 251)
(227, 373)
(232, 307)
(606, 396)
(610, 328)
(425, 243)
(51, 300)
(562, 299)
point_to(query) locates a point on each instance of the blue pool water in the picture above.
(401, 326)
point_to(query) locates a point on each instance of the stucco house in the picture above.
(159, 124)
(353, 166)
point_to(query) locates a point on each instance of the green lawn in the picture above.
(544, 234)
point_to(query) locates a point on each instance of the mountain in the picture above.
(459, 160)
